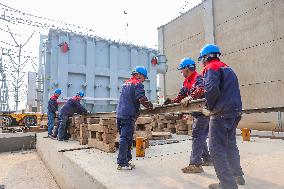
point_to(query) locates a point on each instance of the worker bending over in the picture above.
(132, 95)
(72, 106)
(193, 89)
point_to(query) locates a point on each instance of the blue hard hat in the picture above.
(57, 91)
(81, 94)
(209, 49)
(186, 62)
(141, 70)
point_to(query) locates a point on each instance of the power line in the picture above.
(40, 23)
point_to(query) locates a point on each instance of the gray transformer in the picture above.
(99, 67)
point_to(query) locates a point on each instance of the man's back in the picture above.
(222, 91)
(131, 91)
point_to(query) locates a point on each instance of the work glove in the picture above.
(155, 105)
(146, 103)
(168, 101)
(197, 93)
(206, 112)
(185, 101)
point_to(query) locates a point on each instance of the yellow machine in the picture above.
(10, 118)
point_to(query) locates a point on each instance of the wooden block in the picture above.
(92, 120)
(92, 134)
(171, 126)
(101, 145)
(173, 130)
(83, 141)
(161, 135)
(144, 134)
(107, 121)
(83, 131)
(147, 143)
(182, 127)
(96, 127)
(108, 138)
(71, 130)
(161, 116)
(143, 120)
(182, 132)
(99, 136)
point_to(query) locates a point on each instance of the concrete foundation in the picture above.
(73, 167)
(17, 141)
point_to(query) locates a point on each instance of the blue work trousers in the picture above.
(200, 128)
(63, 126)
(223, 149)
(126, 130)
(50, 123)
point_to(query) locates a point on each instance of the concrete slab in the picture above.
(261, 159)
(17, 141)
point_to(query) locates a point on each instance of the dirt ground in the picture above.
(24, 170)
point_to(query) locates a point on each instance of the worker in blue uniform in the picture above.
(193, 89)
(71, 107)
(132, 95)
(224, 106)
(52, 111)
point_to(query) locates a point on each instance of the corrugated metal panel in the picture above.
(97, 67)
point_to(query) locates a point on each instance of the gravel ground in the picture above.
(24, 170)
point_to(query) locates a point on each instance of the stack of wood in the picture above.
(144, 127)
(166, 123)
(102, 133)
(182, 127)
(74, 126)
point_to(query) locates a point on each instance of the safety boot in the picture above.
(215, 186)
(207, 163)
(240, 180)
(193, 169)
(129, 166)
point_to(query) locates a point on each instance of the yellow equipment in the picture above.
(140, 147)
(246, 134)
(10, 118)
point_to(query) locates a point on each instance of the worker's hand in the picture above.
(150, 105)
(155, 105)
(168, 101)
(206, 112)
(197, 93)
(185, 101)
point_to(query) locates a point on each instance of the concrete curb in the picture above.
(67, 173)
(17, 141)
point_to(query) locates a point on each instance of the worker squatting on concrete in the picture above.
(224, 103)
(72, 106)
(193, 89)
(52, 111)
(132, 95)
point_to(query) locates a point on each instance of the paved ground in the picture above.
(261, 159)
(24, 170)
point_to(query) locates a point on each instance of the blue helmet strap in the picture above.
(191, 67)
(212, 56)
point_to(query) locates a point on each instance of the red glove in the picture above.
(197, 93)
(145, 102)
